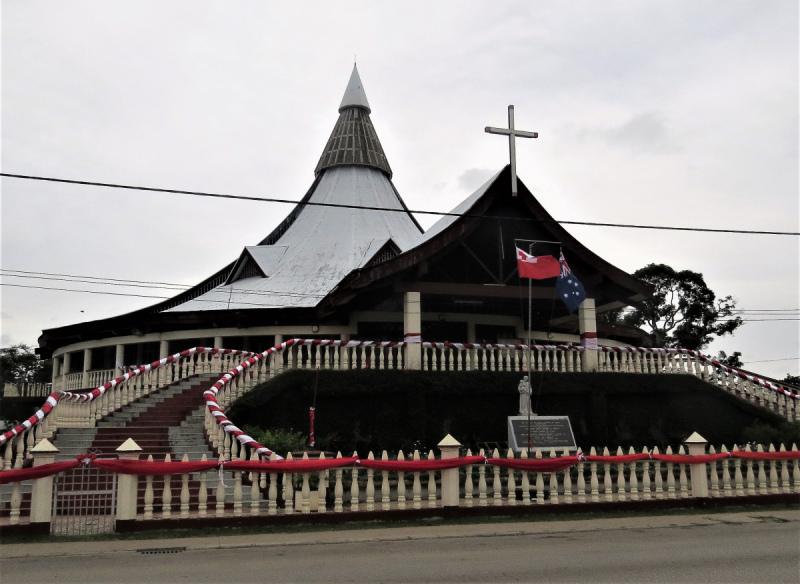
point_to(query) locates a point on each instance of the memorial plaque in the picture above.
(546, 432)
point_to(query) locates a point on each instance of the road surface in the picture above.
(728, 548)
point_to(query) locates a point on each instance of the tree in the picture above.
(684, 311)
(733, 360)
(792, 379)
(18, 363)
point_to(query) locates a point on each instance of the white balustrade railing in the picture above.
(357, 489)
(488, 357)
(349, 487)
(100, 376)
(27, 389)
(776, 396)
(72, 409)
(72, 381)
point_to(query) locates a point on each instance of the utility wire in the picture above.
(179, 287)
(252, 303)
(756, 312)
(139, 295)
(83, 291)
(98, 282)
(91, 277)
(386, 209)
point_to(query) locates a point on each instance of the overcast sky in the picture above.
(669, 113)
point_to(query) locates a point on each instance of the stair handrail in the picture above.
(57, 397)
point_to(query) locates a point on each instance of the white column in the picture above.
(278, 354)
(696, 445)
(119, 360)
(87, 365)
(412, 327)
(449, 447)
(42, 490)
(127, 485)
(57, 361)
(163, 351)
(470, 332)
(587, 326)
(67, 363)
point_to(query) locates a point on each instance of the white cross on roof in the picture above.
(512, 133)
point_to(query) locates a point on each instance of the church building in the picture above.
(364, 269)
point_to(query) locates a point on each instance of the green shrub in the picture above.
(787, 434)
(279, 441)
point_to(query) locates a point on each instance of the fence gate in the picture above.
(84, 502)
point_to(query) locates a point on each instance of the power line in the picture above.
(84, 291)
(767, 310)
(386, 209)
(223, 301)
(95, 281)
(104, 280)
(179, 287)
(92, 277)
(772, 360)
(238, 302)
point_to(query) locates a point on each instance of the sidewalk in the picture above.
(544, 528)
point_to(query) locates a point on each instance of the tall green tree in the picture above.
(684, 311)
(19, 363)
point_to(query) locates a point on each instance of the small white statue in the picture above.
(524, 389)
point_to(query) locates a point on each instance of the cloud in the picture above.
(473, 178)
(6, 340)
(5, 316)
(647, 132)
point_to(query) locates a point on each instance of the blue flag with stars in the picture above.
(568, 287)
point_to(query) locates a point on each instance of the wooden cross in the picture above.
(512, 133)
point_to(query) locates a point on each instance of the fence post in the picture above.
(42, 491)
(127, 485)
(696, 445)
(449, 447)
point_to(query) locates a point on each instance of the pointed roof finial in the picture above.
(354, 95)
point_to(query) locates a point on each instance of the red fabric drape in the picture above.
(420, 465)
(618, 459)
(144, 467)
(536, 464)
(289, 466)
(786, 455)
(36, 472)
(686, 459)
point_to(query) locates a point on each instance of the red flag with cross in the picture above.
(537, 267)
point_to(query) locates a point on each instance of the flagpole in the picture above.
(530, 363)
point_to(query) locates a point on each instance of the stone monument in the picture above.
(529, 431)
(524, 389)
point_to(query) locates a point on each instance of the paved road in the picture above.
(716, 549)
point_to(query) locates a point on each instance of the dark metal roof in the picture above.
(354, 141)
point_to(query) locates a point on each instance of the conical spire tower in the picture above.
(354, 140)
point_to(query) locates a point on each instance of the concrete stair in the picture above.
(169, 420)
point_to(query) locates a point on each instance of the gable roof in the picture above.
(450, 229)
(264, 258)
